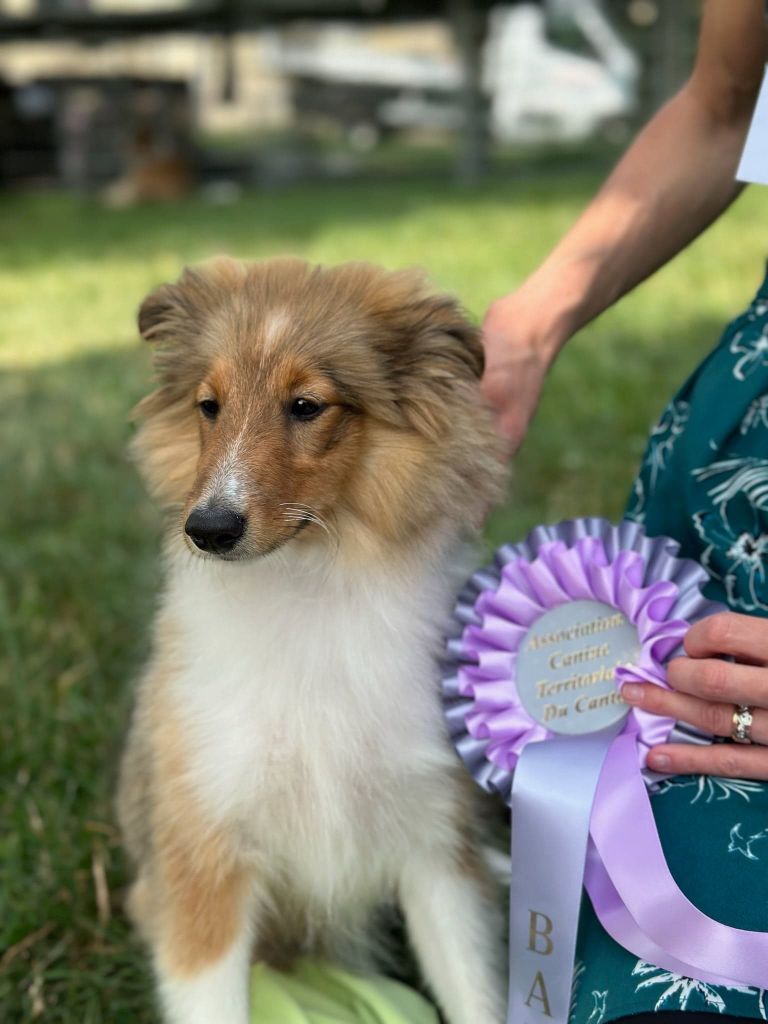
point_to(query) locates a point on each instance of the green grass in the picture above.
(78, 541)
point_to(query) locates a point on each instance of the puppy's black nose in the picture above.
(215, 529)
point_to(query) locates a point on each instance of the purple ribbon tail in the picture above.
(637, 900)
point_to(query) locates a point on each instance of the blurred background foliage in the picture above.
(79, 541)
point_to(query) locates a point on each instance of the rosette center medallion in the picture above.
(566, 667)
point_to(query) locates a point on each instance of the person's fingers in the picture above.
(513, 400)
(498, 391)
(742, 636)
(706, 688)
(716, 680)
(512, 409)
(729, 760)
(712, 717)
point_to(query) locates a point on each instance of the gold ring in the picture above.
(742, 724)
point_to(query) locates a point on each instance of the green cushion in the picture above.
(318, 993)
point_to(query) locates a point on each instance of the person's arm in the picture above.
(676, 178)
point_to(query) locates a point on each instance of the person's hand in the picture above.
(705, 692)
(519, 350)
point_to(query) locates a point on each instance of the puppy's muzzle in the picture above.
(216, 530)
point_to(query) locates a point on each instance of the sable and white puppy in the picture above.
(320, 442)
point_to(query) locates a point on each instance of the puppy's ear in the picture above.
(169, 310)
(173, 309)
(155, 311)
(172, 318)
(439, 369)
(447, 339)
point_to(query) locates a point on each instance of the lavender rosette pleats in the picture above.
(500, 730)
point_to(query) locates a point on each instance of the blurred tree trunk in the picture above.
(469, 27)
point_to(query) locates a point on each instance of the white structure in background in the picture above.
(539, 91)
(536, 91)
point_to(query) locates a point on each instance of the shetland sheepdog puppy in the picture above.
(320, 444)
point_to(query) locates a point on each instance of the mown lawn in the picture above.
(78, 541)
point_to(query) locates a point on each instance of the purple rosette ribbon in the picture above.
(545, 638)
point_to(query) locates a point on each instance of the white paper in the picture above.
(753, 166)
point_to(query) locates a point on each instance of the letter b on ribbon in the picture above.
(540, 933)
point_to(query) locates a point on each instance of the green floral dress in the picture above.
(703, 481)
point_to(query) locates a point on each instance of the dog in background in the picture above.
(320, 443)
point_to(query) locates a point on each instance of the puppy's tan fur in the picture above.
(373, 497)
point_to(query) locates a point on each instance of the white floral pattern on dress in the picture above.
(738, 560)
(743, 844)
(712, 787)
(664, 436)
(755, 416)
(752, 350)
(600, 1000)
(683, 990)
(578, 970)
(737, 555)
(636, 507)
(746, 476)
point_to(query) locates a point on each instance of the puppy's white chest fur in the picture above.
(310, 709)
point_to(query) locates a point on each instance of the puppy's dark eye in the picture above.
(209, 408)
(306, 408)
